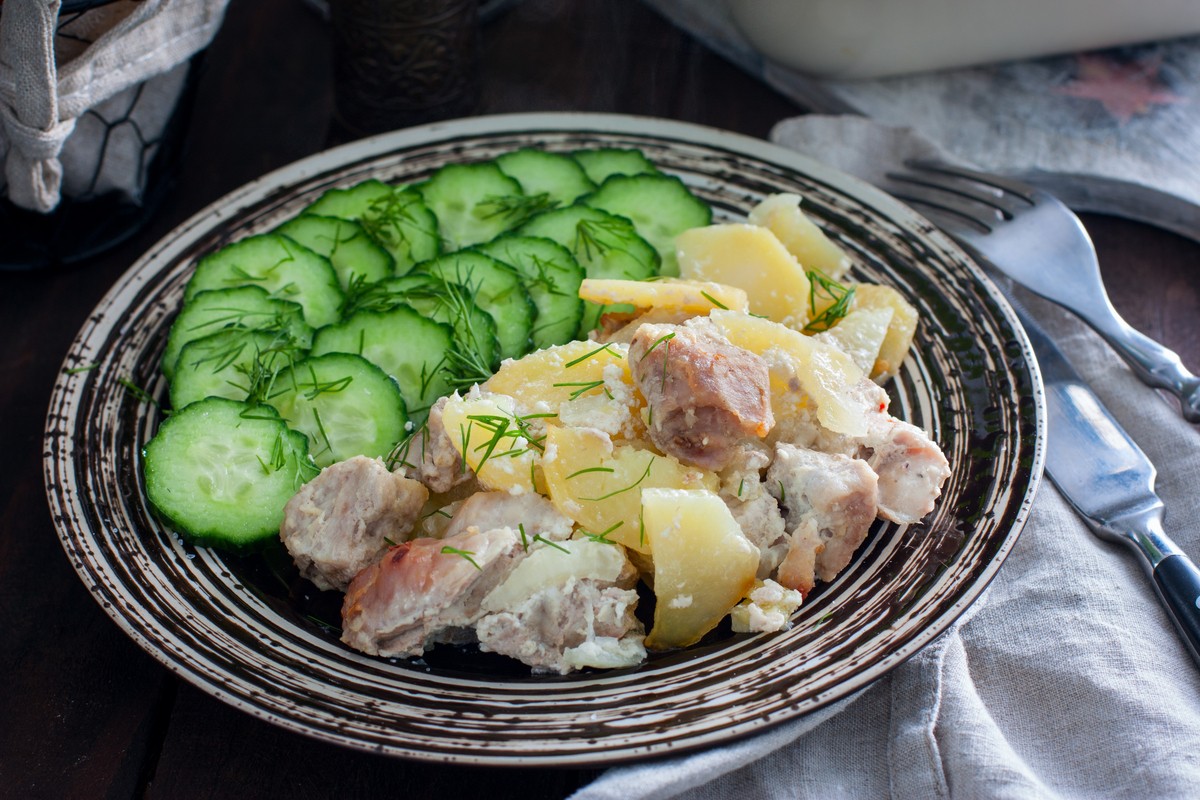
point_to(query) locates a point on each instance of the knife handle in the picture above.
(1178, 583)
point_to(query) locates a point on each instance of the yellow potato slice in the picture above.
(901, 328)
(547, 378)
(686, 296)
(860, 334)
(781, 214)
(751, 258)
(703, 564)
(826, 374)
(491, 437)
(599, 485)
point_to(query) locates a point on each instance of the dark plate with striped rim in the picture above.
(232, 627)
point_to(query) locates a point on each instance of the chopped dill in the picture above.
(634, 485)
(467, 554)
(597, 351)
(839, 298)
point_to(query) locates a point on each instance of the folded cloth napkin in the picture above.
(83, 121)
(1065, 679)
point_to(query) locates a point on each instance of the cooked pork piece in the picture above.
(338, 522)
(533, 512)
(910, 465)
(754, 508)
(426, 591)
(705, 396)
(580, 624)
(830, 503)
(566, 607)
(431, 457)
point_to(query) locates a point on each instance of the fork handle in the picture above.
(1156, 365)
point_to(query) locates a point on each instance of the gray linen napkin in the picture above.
(83, 120)
(1064, 680)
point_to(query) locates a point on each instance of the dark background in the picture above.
(83, 711)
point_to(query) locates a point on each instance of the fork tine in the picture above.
(960, 212)
(1023, 191)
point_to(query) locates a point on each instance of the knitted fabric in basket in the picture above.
(63, 83)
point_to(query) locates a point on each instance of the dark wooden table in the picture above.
(83, 711)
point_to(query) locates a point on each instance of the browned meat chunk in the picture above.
(337, 523)
(431, 457)
(532, 512)
(830, 502)
(426, 591)
(705, 396)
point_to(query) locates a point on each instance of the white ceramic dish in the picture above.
(233, 628)
(875, 38)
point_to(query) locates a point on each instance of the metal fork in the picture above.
(1031, 237)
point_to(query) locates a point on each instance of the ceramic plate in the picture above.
(242, 631)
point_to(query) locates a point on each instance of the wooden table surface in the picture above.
(84, 711)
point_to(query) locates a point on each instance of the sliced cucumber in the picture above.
(284, 268)
(552, 277)
(235, 364)
(659, 206)
(344, 404)
(476, 202)
(220, 472)
(411, 348)
(355, 256)
(476, 352)
(606, 246)
(497, 289)
(245, 308)
(553, 174)
(602, 162)
(395, 218)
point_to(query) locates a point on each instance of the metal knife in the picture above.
(1110, 482)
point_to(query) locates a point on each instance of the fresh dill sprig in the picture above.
(585, 471)
(467, 554)
(634, 485)
(666, 337)
(597, 351)
(555, 545)
(602, 537)
(514, 209)
(839, 298)
(84, 368)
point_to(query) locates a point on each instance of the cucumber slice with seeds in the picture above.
(409, 347)
(476, 352)
(244, 308)
(354, 255)
(552, 276)
(395, 218)
(234, 364)
(659, 206)
(606, 246)
(554, 174)
(344, 404)
(220, 472)
(284, 268)
(602, 162)
(476, 202)
(497, 289)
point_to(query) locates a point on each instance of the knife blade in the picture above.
(1109, 482)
